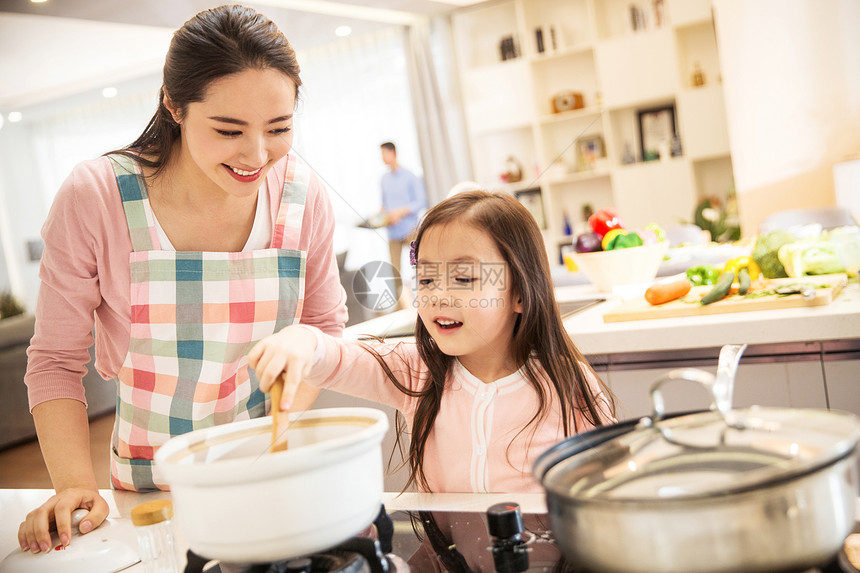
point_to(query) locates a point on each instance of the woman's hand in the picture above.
(290, 351)
(34, 533)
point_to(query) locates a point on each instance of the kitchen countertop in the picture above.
(16, 503)
(839, 320)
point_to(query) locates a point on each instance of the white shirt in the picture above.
(261, 232)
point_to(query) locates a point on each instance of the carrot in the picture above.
(664, 291)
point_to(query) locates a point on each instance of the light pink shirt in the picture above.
(476, 444)
(85, 278)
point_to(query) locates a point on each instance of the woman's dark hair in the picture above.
(215, 43)
(541, 346)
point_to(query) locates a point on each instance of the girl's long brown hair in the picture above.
(541, 346)
(215, 43)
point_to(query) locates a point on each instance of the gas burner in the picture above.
(355, 555)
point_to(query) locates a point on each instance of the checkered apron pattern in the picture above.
(194, 317)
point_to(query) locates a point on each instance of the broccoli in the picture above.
(766, 253)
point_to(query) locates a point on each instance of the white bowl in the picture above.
(236, 502)
(622, 267)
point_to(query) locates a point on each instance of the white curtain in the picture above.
(436, 96)
(63, 139)
(355, 96)
(40, 152)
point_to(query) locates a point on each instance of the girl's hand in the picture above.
(34, 533)
(290, 351)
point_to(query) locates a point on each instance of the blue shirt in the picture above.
(401, 188)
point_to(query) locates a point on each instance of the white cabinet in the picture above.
(843, 384)
(648, 192)
(637, 69)
(779, 384)
(516, 56)
(703, 122)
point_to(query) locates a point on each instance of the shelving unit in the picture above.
(590, 47)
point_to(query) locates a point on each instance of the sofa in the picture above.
(16, 422)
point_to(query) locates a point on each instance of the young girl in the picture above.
(492, 380)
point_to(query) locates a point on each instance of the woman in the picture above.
(183, 249)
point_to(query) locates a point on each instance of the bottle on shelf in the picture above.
(587, 212)
(566, 229)
(657, 6)
(675, 146)
(553, 39)
(698, 76)
(637, 19)
(628, 156)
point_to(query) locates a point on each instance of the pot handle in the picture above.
(720, 387)
(716, 387)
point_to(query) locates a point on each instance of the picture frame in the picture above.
(656, 129)
(589, 148)
(532, 199)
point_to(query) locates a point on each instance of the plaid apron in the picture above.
(194, 317)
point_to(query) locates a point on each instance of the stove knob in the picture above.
(301, 565)
(504, 520)
(505, 523)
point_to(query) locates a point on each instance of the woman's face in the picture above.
(242, 127)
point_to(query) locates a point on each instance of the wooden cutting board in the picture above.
(827, 287)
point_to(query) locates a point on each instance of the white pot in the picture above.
(236, 502)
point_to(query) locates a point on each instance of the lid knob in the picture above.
(152, 512)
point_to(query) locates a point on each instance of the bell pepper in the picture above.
(703, 275)
(625, 240)
(607, 238)
(738, 263)
(605, 219)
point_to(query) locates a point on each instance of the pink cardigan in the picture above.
(85, 279)
(476, 444)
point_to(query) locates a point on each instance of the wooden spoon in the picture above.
(280, 418)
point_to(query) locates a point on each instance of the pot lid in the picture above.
(99, 551)
(704, 454)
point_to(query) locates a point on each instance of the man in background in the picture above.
(403, 199)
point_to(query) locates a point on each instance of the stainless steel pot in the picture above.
(753, 490)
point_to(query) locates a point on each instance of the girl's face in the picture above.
(465, 298)
(242, 127)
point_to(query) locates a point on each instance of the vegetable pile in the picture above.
(780, 254)
(608, 233)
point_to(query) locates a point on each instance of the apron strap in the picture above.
(288, 223)
(135, 203)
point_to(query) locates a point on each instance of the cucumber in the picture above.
(744, 280)
(721, 289)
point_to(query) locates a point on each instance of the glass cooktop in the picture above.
(501, 539)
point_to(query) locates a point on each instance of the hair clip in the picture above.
(412, 260)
